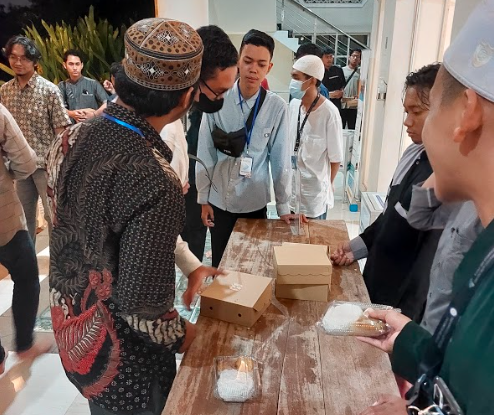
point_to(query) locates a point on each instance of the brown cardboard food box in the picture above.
(303, 271)
(237, 298)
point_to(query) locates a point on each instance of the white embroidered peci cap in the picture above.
(470, 58)
(310, 65)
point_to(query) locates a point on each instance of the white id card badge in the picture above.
(246, 166)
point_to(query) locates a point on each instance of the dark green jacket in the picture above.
(468, 367)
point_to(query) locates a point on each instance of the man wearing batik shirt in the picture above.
(37, 107)
(118, 210)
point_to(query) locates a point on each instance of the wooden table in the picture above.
(304, 371)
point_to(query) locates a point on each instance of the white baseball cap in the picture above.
(470, 58)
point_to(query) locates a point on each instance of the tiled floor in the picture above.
(43, 389)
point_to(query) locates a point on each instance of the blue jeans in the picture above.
(19, 257)
(323, 216)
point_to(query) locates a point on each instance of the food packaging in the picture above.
(237, 298)
(236, 378)
(302, 271)
(344, 318)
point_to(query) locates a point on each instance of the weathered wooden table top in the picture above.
(304, 371)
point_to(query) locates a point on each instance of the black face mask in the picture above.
(208, 106)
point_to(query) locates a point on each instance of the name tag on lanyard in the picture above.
(247, 161)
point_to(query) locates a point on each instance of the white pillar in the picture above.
(411, 34)
(193, 12)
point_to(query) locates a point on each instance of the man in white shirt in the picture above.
(316, 139)
(174, 136)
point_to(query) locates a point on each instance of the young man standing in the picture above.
(316, 138)
(458, 136)
(17, 252)
(334, 79)
(37, 107)
(82, 96)
(218, 74)
(250, 134)
(312, 49)
(399, 257)
(350, 94)
(119, 209)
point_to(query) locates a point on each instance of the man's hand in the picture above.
(89, 113)
(289, 217)
(77, 115)
(207, 216)
(109, 87)
(195, 281)
(396, 320)
(343, 255)
(186, 188)
(190, 335)
(387, 405)
(336, 94)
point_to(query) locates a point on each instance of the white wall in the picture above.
(239, 16)
(279, 77)
(349, 19)
(193, 12)
(411, 34)
(463, 10)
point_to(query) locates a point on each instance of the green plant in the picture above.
(100, 42)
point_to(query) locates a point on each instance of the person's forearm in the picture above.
(59, 130)
(335, 168)
(185, 260)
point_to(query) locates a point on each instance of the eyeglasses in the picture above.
(208, 87)
(21, 59)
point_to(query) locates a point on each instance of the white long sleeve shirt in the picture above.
(174, 137)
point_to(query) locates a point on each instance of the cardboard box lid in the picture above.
(238, 288)
(324, 248)
(302, 259)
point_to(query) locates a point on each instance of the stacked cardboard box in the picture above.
(302, 271)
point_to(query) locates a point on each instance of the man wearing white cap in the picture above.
(316, 139)
(459, 138)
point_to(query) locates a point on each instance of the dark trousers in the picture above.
(194, 232)
(19, 257)
(224, 222)
(349, 118)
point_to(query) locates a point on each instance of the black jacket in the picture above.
(400, 257)
(334, 79)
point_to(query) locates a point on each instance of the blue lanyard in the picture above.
(256, 108)
(123, 124)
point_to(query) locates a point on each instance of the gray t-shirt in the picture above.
(351, 90)
(85, 93)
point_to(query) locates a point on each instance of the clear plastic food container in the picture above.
(237, 378)
(344, 318)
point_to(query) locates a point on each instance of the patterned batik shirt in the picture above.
(118, 210)
(38, 109)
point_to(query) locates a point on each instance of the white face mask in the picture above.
(296, 88)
